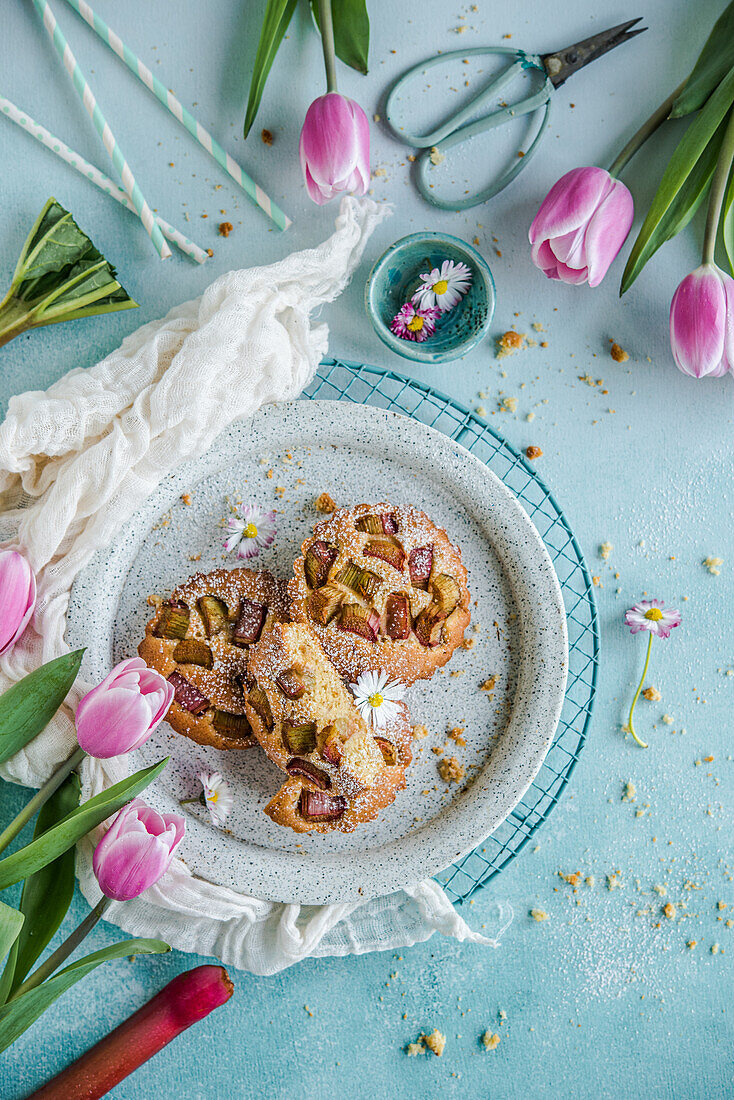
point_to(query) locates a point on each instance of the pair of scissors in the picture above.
(555, 69)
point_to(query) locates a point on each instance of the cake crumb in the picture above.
(715, 948)
(489, 684)
(652, 694)
(508, 404)
(713, 565)
(618, 354)
(630, 791)
(572, 879)
(225, 228)
(510, 342)
(325, 504)
(186, 499)
(451, 771)
(668, 719)
(457, 735)
(436, 156)
(490, 1040)
(419, 732)
(590, 880)
(605, 550)
(155, 601)
(266, 137)
(533, 452)
(538, 914)
(614, 882)
(691, 944)
(435, 1042)
(414, 1049)
(669, 910)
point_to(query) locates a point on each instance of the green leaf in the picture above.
(351, 31)
(17, 1016)
(685, 178)
(11, 922)
(727, 222)
(28, 706)
(278, 15)
(46, 895)
(714, 62)
(60, 276)
(50, 844)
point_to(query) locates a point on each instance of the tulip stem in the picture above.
(327, 41)
(630, 727)
(718, 190)
(62, 952)
(40, 797)
(656, 119)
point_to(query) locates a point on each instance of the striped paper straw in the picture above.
(169, 101)
(100, 124)
(75, 160)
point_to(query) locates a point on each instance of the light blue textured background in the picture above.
(601, 1001)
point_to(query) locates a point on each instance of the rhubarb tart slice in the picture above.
(341, 772)
(382, 587)
(199, 640)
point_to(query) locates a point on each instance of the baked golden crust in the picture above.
(382, 587)
(221, 685)
(306, 721)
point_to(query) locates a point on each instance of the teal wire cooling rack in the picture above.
(340, 380)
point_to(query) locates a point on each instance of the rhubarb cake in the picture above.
(199, 640)
(341, 773)
(382, 587)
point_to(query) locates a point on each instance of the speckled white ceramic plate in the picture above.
(356, 453)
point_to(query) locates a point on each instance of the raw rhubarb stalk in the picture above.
(188, 998)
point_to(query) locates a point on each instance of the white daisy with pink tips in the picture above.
(652, 615)
(250, 530)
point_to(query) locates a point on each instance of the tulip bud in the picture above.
(17, 597)
(120, 714)
(136, 850)
(702, 323)
(581, 225)
(335, 148)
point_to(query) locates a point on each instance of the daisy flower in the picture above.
(445, 287)
(250, 530)
(414, 323)
(377, 697)
(652, 615)
(216, 796)
(658, 620)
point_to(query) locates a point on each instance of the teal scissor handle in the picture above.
(458, 129)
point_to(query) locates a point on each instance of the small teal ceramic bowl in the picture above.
(395, 278)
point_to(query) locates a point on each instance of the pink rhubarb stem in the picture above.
(188, 998)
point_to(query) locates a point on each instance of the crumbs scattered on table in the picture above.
(538, 914)
(713, 565)
(652, 694)
(572, 879)
(225, 228)
(605, 551)
(457, 735)
(533, 452)
(419, 732)
(325, 504)
(508, 404)
(435, 1042)
(629, 793)
(266, 137)
(614, 882)
(490, 1040)
(618, 354)
(186, 499)
(436, 156)
(510, 342)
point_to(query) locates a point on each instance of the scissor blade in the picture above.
(564, 63)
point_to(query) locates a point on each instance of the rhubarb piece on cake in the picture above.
(339, 773)
(382, 587)
(199, 640)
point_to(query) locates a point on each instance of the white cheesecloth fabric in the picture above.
(76, 462)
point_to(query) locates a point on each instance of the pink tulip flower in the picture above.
(17, 597)
(120, 714)
(335, 148)
(136, 850)
(582, 223)
(702, 323)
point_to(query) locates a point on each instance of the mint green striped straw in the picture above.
(169, 101)
(101, 126)
(93, 174)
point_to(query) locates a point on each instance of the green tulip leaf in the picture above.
(45, 848)
(278, 15)
(28, 706)
(46, 895)
(11, 922)
(684, 181)
(18, 1015)
(727, 222)
(351, 31)
(714, 62)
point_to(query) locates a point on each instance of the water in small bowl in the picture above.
(395, 278)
